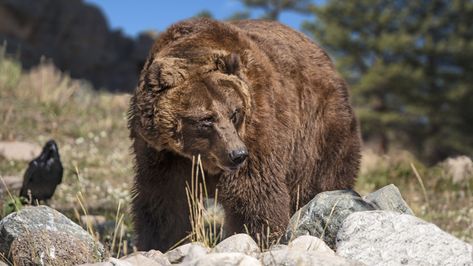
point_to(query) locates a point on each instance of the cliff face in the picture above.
(76, 37)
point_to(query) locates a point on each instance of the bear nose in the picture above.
(238, 156)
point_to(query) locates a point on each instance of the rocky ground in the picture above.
(335, 228)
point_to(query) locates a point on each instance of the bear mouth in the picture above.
(229, 168)
(222, 167)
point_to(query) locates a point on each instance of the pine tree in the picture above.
(410, 66)
(273, 8)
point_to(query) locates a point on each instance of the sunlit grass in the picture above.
(207, 226)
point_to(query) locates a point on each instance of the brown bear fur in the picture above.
(208, 87)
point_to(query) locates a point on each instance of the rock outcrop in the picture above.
(363, 236)
(76, 37)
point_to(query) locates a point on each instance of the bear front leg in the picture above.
(260, 208)
(147, 235)
(160, 224)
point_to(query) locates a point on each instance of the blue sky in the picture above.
(135, 16)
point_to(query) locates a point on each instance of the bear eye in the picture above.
(235, 117)
(206, 123)
(220, 65)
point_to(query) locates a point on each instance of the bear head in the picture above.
(193, 99)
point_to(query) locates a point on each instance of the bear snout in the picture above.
(238, 156)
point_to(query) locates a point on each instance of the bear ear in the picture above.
(152, 78)
(164, 73)
(229, 64)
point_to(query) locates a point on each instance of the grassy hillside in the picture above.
(90, 128)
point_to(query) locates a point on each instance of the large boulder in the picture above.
(323, 216)
(76, 36)
(43, 236)
(390, 238)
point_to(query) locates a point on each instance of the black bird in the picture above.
(43, 174)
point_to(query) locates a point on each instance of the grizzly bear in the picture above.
(263, 106)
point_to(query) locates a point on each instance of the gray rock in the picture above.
(323, 215)
(388, 198)
(19, 151)
(151, 258)
(301, 258)
(389, 238)
(228, 258)
(114, 262)
(41, 235)
(310, 243)
(241, 243)
(141, 260)
(459, 169)
(187, 252)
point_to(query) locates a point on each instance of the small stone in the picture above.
(140, 259)
(41, 235)
(390, 238)
(118, 262)
(324, 214)
(19, 151)
(143, 257)
(459, 169)
(241, 243)
(228, 258)
(190, 251)
(297, 257)
(388, 198)
(310, 243)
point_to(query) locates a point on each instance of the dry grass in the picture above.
(205, 218)
(90, 128)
